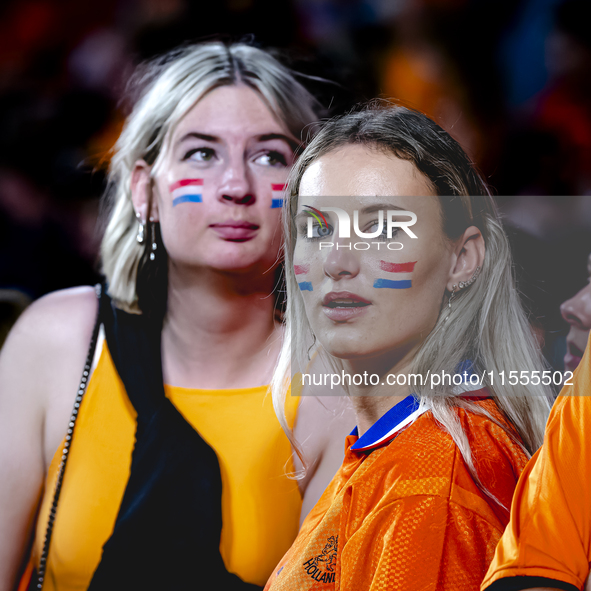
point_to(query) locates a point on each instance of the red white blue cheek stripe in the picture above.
(302, 270)
(388, 426)
(399, 268)
(186, 191)
(277, 196)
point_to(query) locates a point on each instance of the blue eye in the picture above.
(384, 235)
(318, 232)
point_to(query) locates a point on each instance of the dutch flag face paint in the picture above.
(186, 191)
(302, 270)
(277, 196)
(403, 275)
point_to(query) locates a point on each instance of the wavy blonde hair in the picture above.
(169, 87)
(487, 324)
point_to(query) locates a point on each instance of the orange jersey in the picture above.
(408, 514)
(548, 540)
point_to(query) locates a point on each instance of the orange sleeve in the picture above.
(548, 540)
(420, 542)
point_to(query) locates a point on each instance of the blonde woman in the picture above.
(398, 267)
(186, 483)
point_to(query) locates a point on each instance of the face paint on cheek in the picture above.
(186, 191)
(406, 268)
(277, 196)
(397, 267)
(302, 270)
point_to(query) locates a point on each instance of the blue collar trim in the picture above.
(387, 426)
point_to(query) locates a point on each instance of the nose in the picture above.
(236, 186)
(341, 262)
(577, 310)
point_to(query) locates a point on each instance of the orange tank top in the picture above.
(260, 504)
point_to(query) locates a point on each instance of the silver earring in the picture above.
(451, 297)
(141, 230)
(471, 280)
(154, 245)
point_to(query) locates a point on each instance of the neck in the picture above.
(369, 409)
(371, 402)
(219, 330)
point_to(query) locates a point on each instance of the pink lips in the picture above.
(342, 306)
(576, 341)
(573, 355)
(235, 231)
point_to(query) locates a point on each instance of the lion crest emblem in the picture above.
(329, 554)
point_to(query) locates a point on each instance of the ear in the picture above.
(141, 192)
(469, 254)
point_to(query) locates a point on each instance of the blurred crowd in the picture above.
(509, 79)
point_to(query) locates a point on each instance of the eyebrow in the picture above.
(200, 136)
(266, 137)
(380, 207)
(368, 209)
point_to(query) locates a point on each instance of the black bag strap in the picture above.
(167, 532)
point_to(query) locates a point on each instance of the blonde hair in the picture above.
(170, 86)
(486, 325)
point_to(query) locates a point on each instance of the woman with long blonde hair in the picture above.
(163, 461)
(397, 267)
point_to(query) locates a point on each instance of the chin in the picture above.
(345, 348)
(239, 259)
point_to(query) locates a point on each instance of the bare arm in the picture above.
(40, 366)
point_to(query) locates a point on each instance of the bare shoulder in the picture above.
(43, 357)
(55, 328)
(57, 318)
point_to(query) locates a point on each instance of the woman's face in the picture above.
(376, 301)
(218, 189)
(577, 312)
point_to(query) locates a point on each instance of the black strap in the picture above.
(167, 532)
(526, 582)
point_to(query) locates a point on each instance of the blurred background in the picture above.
(509, 79)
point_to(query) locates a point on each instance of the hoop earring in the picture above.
(141, 230)
(154, 243)
(471, 280)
